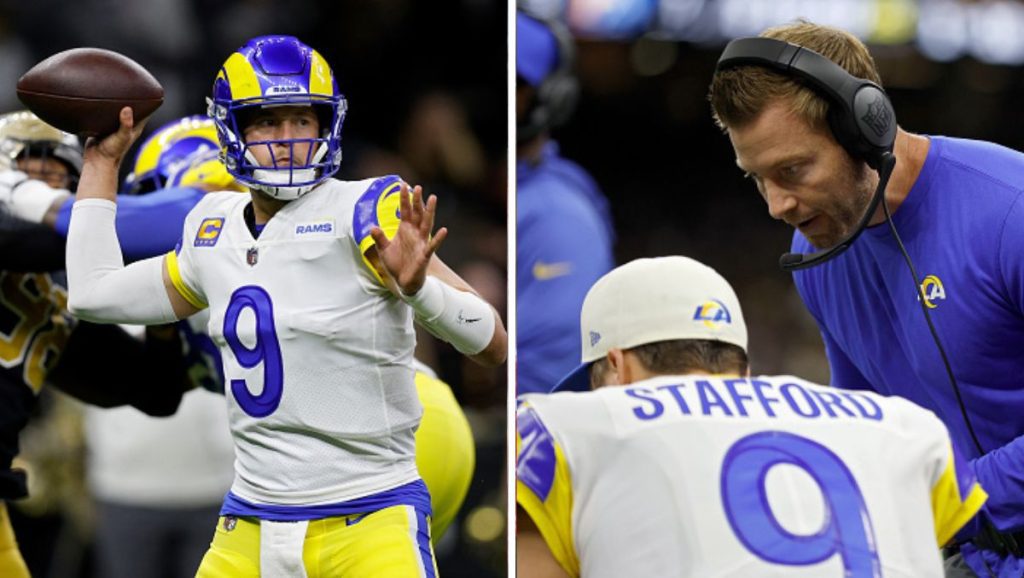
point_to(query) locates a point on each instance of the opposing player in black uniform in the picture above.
(40, 343)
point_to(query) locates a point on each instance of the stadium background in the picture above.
(644, 129)
(427, 89)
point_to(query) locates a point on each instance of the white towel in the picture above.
(281, 549)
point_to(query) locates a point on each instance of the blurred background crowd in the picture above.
(426, 85)
(643, 126)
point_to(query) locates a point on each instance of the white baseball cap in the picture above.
(651, 300)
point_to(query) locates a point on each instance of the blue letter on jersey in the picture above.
(658, 409)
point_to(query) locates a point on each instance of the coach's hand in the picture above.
(406, 256)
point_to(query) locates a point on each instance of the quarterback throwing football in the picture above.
(312, 286)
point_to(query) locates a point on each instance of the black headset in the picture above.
(558, 93)
(863, 122)
(860, 114)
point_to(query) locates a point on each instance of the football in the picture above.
(82, 90)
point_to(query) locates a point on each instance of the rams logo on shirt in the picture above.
(209, 231)
(546, 271)
(713, 313)
(932, 290)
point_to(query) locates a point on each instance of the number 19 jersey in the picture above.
(317, 354)
(716, 477)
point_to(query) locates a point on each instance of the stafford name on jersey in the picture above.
(738, 398)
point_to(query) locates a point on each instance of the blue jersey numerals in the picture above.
(846, 530)
(266, 350)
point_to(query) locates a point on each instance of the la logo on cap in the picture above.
(712, 313)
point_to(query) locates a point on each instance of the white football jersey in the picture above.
(717, 476)
(317, 353)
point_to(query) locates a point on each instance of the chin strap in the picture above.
(283, 193)
(275, 182)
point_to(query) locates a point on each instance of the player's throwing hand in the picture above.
(406, 256)
(114, 146)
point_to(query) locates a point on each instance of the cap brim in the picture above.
(577, 380)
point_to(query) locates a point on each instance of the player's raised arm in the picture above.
(444, 303)
(100, 287)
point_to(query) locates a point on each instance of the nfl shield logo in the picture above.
(252, 255)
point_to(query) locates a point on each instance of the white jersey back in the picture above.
(317, 354)
(714, 477)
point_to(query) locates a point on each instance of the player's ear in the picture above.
(617, 372)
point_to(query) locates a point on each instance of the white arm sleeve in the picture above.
(458, 317)
(27, 198)
(100, 288)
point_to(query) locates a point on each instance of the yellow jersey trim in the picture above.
(950, 513)
(553, 516)
(179, 283)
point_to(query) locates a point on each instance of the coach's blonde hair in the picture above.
(738, 95)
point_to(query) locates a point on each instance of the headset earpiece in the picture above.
(876, 121)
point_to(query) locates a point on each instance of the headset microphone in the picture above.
(796, 261)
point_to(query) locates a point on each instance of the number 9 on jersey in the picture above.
(846, 530)
(266, 350)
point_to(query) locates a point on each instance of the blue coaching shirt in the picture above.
(564, 242)
(963, 225)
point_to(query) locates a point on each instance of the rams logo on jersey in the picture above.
(209, 231)
(932, 290)
(713, 313)
(377, 207)
(324, 227)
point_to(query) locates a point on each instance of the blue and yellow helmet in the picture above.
(182, 153)
(269, 71)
